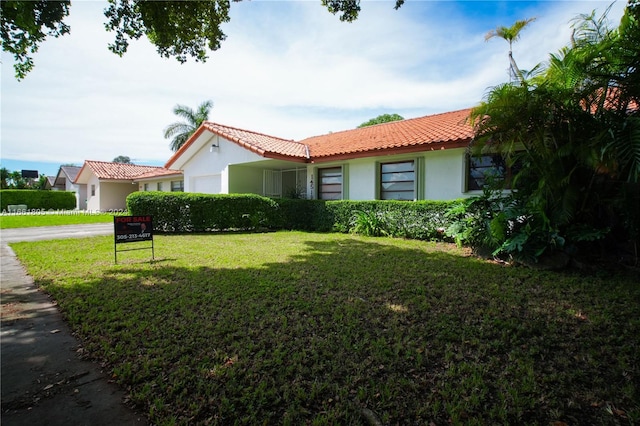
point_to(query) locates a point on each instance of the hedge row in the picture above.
(191, 212)
(38, 200)
(188, 212)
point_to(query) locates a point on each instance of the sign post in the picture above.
(132, 229)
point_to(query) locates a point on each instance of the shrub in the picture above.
(191, 212)
(38, 200)
(511, 227)
(305, 215)
(187, 212)
(422, 220)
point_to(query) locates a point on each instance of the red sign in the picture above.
(130, 229)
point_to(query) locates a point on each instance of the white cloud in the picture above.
(290, 69)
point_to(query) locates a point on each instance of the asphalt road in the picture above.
(54, 232)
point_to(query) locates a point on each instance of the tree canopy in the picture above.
(383, 118)
(179, 29)
(14, 180)
(122, 159)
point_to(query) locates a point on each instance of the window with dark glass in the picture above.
(398, 181)
(177, 186)
(483, 169)
(330, 183)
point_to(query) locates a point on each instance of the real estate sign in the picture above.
(130, 229)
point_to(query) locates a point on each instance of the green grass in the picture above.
(296, 328)
(70, 218)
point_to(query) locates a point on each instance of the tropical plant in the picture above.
(369, 223)
(574, 130)
(181, 131)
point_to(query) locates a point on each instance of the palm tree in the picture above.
(574, 132)
(511, 34)
(181, 131)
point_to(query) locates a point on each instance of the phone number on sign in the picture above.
(134, 236)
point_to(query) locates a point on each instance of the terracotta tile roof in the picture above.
(437, 131)
(450, 129)
(265, 145)
(120, 171)
(160, 173)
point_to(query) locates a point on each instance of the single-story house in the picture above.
(422, 158)
(64, 181)
(108, 184)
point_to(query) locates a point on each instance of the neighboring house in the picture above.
(64, 181)
(422, 158)
(108, 184)
(161, 180)
(49, 183)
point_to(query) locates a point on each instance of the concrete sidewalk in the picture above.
(44, 381)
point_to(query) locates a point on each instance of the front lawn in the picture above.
(297, 328)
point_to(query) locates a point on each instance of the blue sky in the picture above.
(288, 68)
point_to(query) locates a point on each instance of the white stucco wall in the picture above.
(443, 175)
(208, 172)
(81, 193)
(93, 202)
(229, 168)
(152, 184)
(113, 195)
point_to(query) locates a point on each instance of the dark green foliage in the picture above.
(574, 130)
(305, 215)
(349, 9)
(122, 159)
(179, 29)
(26, 24)
(38, 200)
(189, 212)
(421, 220)
(383, 118)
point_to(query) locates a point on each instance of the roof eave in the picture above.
(411, 149)
(285, 157)
(167, 176)
(186, 146)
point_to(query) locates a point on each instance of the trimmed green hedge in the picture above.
(187, 212)
(417, 220)
(191, 212)
(37, 199)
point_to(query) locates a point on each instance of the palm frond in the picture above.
(181, 131)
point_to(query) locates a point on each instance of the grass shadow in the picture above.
(299, 328)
